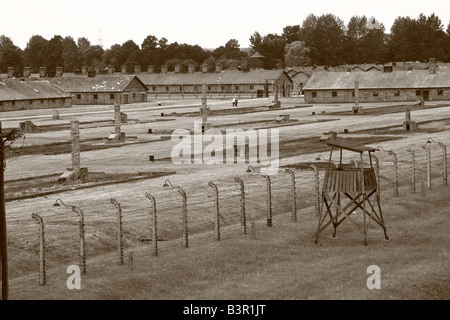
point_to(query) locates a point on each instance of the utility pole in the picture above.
(3, 239)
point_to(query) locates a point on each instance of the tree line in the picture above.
(319, 40)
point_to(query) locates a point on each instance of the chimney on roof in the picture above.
(218, 68)
(84, 70)
(177, 68)
(137, 69)
(164, 68)
(150, 69)
(10, 72)
(204, 68)
(387, 68)
(26, 72)
(59, 72)
(42, 72)
(123, 69)
(432, 66)
(110, 69)
(191, 68)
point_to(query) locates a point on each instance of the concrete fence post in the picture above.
(444, 149)
(394, 158)
(82, 239)
(444, 173)
(184, 219)
(119, 231)
(293, 197)
(413, 170)
(428, 150)
(154, 229)
(269, 199)
(316, 189)
(217, 213)
(243, 218)
(42, 271)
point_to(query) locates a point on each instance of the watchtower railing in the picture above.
(349, 180)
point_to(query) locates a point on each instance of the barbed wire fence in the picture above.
(223, 206)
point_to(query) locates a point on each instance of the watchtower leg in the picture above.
(386, 237)
(337, 211)
(322, 199)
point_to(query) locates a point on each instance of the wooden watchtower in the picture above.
(349, 190)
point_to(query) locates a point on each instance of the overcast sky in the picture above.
(208, 23)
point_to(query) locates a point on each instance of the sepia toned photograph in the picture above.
(225, 159)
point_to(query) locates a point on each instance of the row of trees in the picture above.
(320, 40)
(326, 40)
(71, 55)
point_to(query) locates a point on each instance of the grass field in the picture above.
(281, 263)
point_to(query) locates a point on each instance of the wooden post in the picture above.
(216, 206)
(413, 170)
(82, 239)
(269, 199)
(119, 231)
(294, 202)
(154, 230)
(243, 218)
(42, 271)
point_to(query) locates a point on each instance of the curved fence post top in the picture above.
(238, 179)
(212, 184)
(289, 170)
(149, 196)
(78, 211)
(37, 218)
